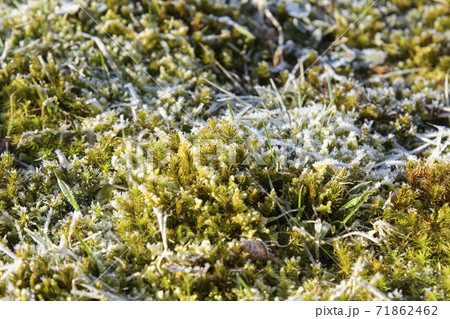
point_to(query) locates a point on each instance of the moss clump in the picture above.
(421, 213)
(202, 170)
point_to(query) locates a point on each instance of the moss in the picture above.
(191, 141)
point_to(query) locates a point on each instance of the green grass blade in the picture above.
(188, 286)
(358, 186)
(229, 109)
(351, 203)
(38, 90)
(241, 293)
(329, 87)
(104, 66)
(88, 251)
(149, 16)
(245, 285)
(156, 7)
(67, 192)
(356, 203)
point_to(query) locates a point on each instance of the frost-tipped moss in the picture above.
(192, 139)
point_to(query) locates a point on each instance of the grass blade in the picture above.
(37, 239)
(89, 251)
(447, 102)
(149, 16)
(358, 186)
(104, 66)
(245, 285)
(188, 286)
(67, 192)
(356, 203)
(156, 7)
(329, 86)
(349, 204)
(229, 109)
(38, 90)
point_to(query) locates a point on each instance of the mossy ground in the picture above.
(146, 145)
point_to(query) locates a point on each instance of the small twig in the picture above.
(387, 75)
(7, 47)
(162, 221)
(227, 74)
(278, 56)
(235, 49)
(234, 97)
(281, 101)
(356, 233)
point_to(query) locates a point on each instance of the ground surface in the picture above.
(224, 150)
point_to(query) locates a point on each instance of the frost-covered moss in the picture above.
(200, 169)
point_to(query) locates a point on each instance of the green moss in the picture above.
(181, 152)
